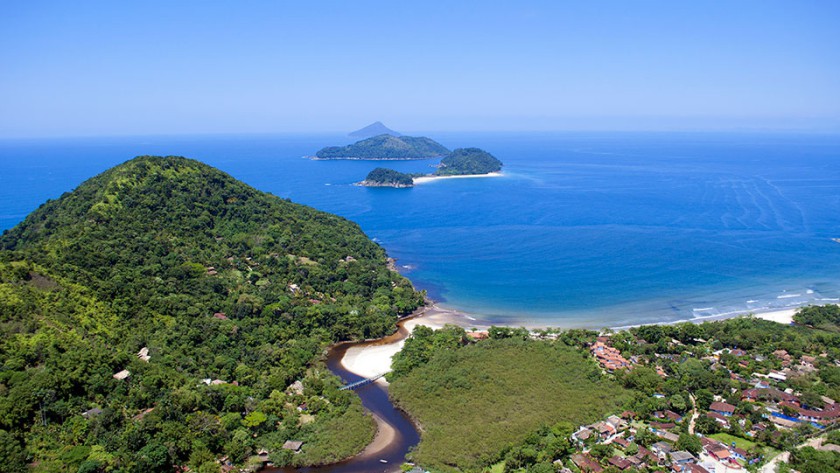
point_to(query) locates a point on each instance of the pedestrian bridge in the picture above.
(362, 382)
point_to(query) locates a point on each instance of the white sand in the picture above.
(373, 360)
(781, 316)
(426, 179)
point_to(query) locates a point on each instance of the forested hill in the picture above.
(386, 147)
(464, 161)
(217, 281)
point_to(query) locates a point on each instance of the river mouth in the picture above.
(396, 433)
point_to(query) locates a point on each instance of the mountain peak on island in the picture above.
(374, 129)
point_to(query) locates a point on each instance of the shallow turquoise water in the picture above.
(584, 229)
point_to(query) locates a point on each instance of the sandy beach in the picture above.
(781, 316)
(427, 179)
(374, 359)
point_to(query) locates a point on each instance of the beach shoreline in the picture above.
(373, 359)
(427, 179)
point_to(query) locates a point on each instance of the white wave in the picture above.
(788, 296)
(809, 291)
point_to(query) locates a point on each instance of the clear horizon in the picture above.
(105, 69)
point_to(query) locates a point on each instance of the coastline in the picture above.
(430, 178)
(374, 358)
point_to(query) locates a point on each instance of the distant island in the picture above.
(461, 162)
(382, 177)
(374, 129)
(386, 147)
(468, 161)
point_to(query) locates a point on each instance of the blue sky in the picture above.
(125, 68)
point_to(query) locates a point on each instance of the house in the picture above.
(781, 422)
(143, 414)
(479, 335)
(722, 408)
(695, 468)
(661, 448)
(739, 453)
(620, 463)
(682, 458)
(293, 445)
(646, 455)
(673, 416)
(616, 422)
(768, 394)
(621, 442)
(604, 429)
(663, 425)
(777, 376)
(722, 420)
(143, 354)
(720, 452)
(583, 434)
(92, 413)
(220, 316)
(671, 437)
(586, 463)
(124, 374)
(628, 415)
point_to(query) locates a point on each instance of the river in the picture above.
(397, 433)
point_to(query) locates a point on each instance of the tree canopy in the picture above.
(233, 294)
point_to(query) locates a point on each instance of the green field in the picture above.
(475, 401)
(728, 439)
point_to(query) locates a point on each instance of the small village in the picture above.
(737, 429)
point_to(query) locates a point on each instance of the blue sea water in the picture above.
(583, 229)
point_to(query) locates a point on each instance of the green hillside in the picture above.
(475, 401)
(386, 147)
(220, 282)
(383, 177)
(464, 161)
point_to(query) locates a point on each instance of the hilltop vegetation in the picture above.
(219, 282)
(475, 401)
(468, 161)
(386, 147)
(383, 177)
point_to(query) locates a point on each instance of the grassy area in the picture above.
(475, 401)
(728, 439)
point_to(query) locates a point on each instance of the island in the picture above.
(374, 129)
(383, 177)
(463, 162)
(386, 148)
(468, 161)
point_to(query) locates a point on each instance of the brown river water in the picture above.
(375, 399)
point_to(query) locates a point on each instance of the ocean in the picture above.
(583, 229)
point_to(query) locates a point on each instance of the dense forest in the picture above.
(162, 313)
(383, 177)
(385, 147)
(477, 402)
(468, 161)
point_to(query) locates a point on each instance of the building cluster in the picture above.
(608, 357)
(620, 432)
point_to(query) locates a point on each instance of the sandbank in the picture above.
(781, 316)
(385, 434)
(373, 359)
(426, 179)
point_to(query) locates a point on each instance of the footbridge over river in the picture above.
(362, 382)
